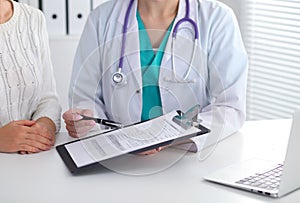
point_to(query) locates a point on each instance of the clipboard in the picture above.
(88, 153)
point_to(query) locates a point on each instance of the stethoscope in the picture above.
(119, 78)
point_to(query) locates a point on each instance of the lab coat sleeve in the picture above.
(85, 89)
(227, 81)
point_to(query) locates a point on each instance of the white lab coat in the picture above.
(219, 68)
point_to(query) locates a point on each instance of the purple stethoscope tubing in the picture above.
(186, 19)
(119, 77)
(124, 34)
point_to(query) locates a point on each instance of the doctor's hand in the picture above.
(75, 126)
(21, 136)
(152, 151)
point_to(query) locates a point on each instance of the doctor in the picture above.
(138, 59)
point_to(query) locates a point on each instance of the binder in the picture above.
(87, 153)
(96, 3)
(55, 14)
(78, 11)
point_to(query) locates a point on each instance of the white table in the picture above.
(169, 176)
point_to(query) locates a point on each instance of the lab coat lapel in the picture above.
(167, 55)
(184, 30)
(185, 33)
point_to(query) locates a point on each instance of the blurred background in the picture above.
(270, 30)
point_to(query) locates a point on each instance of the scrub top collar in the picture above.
(132, 21)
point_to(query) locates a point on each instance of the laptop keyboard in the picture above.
(268, 180)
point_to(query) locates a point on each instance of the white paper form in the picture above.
(127, 139)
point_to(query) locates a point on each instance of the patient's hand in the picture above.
(21, 136)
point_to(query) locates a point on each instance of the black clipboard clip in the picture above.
(189, 118)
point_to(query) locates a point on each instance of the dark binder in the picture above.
(96, 164)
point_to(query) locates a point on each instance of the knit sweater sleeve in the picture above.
(48, 105)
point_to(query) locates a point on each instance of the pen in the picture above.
(101, 121)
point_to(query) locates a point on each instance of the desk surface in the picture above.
(169, 176)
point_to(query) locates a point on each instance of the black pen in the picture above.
(101, 121)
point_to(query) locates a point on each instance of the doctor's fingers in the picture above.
(83, 124)
(69, 117)
(78, 131)
(152, 151)
(74, 114)
(79, 123)
(76, 134)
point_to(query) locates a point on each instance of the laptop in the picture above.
(265, 177)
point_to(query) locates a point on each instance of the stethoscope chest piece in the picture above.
(119, 79)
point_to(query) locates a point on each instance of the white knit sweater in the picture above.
(27, 84)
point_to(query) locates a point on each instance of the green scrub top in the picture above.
(150, 66)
